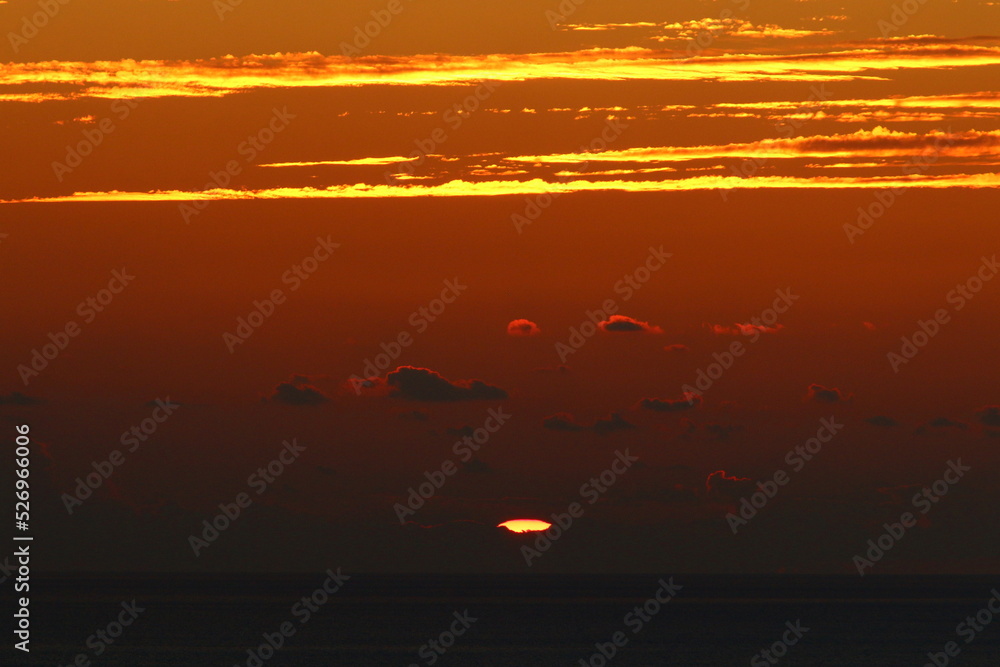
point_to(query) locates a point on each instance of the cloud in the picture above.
(877, 142)
(740, 329)
(688, 402)
(821, 394)
(298, 391)
(883, 421)
(677, 347)
(613, 423)
(423, 384)
(413, 415)
(228, 75)
(944, 422)
(523, 328)
(17, 398)
(989, 415)
(563, 421)
(622, 323)
(535, 186)
(731, 487)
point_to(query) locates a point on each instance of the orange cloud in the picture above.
(213, 77)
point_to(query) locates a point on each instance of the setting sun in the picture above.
(524, 525)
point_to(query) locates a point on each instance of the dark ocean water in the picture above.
(519, 621)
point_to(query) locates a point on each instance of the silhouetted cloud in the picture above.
(624, 324)
(730, 487)
(989, 415)
(883, 421)
(821, 394)
(688, 402)
(423, 384)
(298, 391)
(562, 421)
(17, 398)
(613, 423)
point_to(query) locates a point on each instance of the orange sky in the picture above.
(813, 146)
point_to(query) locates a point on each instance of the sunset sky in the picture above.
(686, 237)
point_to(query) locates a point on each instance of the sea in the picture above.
(510, 620)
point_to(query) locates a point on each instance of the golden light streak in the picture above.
(880, 142)
(459, 188)
(378, 161)
(215, 77)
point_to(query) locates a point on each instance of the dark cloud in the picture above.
(989, 415)
(688, 402)
(523, 328)
(462, 431)
(944, 422)
(821, 394)
(883, 421)
(613, 423)
(298, 391)
(423, 384)
(562, 421)
(677, 347)
(621, 323)
(17, 398)
(413, 415)
(731, 487)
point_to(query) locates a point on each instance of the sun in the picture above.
(524, 525)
